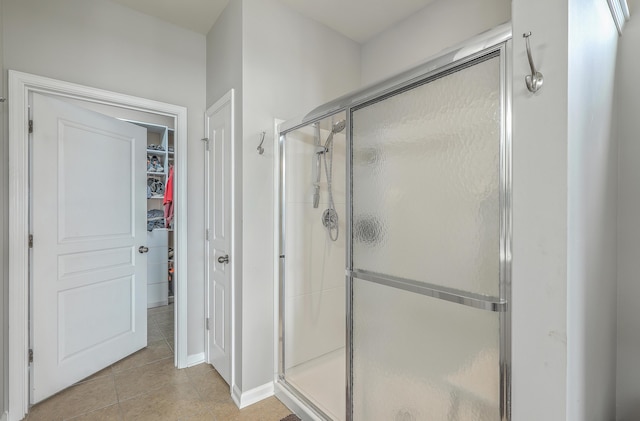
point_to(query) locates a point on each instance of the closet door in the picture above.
(89, 263)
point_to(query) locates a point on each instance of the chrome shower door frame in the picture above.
(281, 379)
(496, 41)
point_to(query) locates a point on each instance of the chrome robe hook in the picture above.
(260, 148)
(535, 79)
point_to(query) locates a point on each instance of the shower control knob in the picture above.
(223, 259)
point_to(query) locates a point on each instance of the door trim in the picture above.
(228, 98)
(21, 85)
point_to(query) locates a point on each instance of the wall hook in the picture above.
(260, 148)
(535, 79)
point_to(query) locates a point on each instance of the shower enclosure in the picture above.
(395, 239)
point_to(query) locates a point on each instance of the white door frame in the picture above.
(21, 85)
(229, 97)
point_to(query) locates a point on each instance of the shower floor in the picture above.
(322, 381)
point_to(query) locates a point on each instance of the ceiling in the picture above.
(196, 15)
(359, 20)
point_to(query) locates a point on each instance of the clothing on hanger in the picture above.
(168, 199)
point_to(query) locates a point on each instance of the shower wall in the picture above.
(314, 271)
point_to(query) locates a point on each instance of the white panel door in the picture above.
(219, 120)
(88, 221)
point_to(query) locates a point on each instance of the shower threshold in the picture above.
(322, 381)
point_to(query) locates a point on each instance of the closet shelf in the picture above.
(156, 173)
(156, 197)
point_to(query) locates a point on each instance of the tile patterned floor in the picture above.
(146, 386)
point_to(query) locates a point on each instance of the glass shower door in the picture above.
(429, 238)
(313, 249)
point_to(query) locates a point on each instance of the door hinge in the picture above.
(30, 126)
(30, 241)
(206, 322)
(206, 234)
(206, 142)
(30, 355)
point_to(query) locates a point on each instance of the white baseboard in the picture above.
(156, 304)
(4, 416)
(236, 395)
(195, 359)
(244, 399)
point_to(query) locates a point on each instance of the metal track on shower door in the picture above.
(470, 299)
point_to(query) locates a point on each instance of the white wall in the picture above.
(105, 45)
(224, 72)
(539, 292)
(290, 65)
(440, 25)
(4, 239)
(628, 382)
(224, 54)
(592, 213)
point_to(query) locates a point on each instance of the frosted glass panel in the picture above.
(419, 358)
(426, 182)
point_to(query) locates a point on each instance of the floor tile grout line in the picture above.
(154, 388)
(170, 345)
(88, 412)
(120, 412)
(143, 394)
(95, 409)
(197, 389)
(116, 384)
(118, 372)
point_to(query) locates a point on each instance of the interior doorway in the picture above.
(22, 88)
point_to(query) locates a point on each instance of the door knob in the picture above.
(223, 259)
(143, 249)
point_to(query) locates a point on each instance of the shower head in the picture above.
(339, 126)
